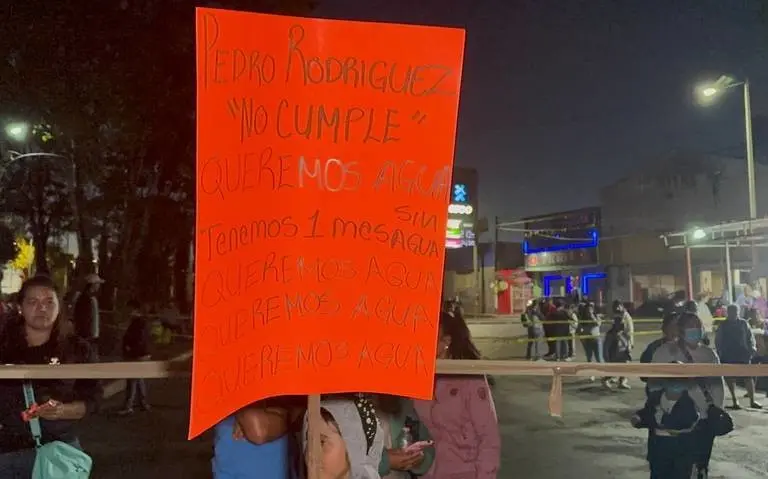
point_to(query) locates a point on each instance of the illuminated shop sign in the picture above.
(460, 209)
(460, 193)
(459, 233)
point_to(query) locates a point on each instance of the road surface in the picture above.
(592, 440)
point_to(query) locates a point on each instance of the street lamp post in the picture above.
(750, 152)
(728, 273)
(708, 93)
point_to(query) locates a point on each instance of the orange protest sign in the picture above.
(324, 160)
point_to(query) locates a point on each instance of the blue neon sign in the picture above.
(592, 242)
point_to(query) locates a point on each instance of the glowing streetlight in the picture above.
(698, 234)
(706, 94)
(17, 131)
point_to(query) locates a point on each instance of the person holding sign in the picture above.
(462, 416)
(352, 439)
(38, 336)
(254, 442)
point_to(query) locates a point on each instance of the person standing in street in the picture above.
(735, 344)
(86, 312)
(705, 315)
(546, 310)
(589, 330)
(619, 341)
(561, 320)
(136, 348)
(531, 319)
(462, 416)
(686, 413)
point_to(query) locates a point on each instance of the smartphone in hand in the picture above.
(418, 446)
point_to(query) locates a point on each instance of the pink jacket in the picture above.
(462, 421)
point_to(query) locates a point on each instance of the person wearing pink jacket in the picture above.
(462, 416)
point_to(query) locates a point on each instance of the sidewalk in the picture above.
(148, 445)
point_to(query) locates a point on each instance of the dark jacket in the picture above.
(137, 339)
(15, 434)
(735, 342)
(559, 322)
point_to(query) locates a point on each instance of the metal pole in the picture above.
(728, 273)
(750, 153)
(476, 270)
(751, 186)
(495, 244)
(689, 270)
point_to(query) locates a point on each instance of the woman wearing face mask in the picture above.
(462, 416)
(38, 336)
(681, 442)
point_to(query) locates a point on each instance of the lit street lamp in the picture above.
(17, 131)
(707, 93)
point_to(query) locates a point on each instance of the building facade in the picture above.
(561, 252)
(680, 192)
(677, 193)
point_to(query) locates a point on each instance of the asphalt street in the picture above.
(593, 439)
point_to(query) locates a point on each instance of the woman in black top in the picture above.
(39, 336)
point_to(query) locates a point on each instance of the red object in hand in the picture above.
(30, 413)
(34, 409)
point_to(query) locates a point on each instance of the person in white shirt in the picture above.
(704, 313)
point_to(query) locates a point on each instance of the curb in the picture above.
(118, 385)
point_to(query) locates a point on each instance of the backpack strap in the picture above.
(34, 423)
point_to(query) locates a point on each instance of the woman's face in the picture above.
(335, 464)
(443, 342)
(40, 308)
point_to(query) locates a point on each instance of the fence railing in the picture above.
(176, 369)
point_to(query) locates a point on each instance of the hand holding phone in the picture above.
(418, 446)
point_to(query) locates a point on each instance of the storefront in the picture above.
(561, 250)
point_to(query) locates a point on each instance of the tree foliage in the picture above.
(25, 256)
(115, 83)
(8, 247)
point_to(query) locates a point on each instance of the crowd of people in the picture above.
(371, 436)
(363, 436)
(559, 322)
(685, 415)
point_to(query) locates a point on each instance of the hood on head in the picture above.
(354, 418)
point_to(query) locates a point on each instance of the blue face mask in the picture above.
(693, 335)
(676, 388)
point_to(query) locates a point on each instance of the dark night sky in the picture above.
(561, 97)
